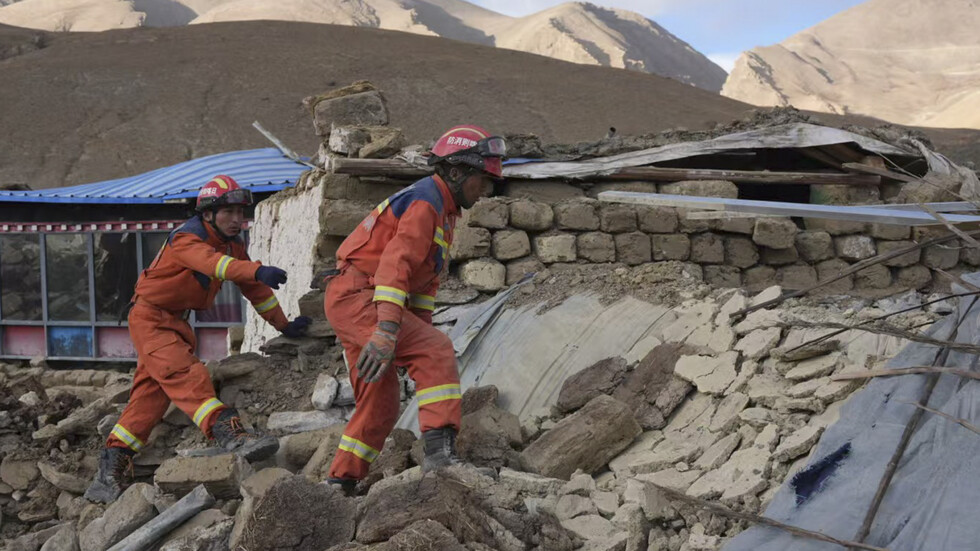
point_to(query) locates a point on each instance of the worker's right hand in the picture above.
(271, 276)
(378, 353)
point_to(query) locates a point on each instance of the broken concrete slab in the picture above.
(75, 483)
(640, 448)
(718, 453)
(571, 506)
(580, 485)
(211, 538)
(324, 391)
(671, 478)
(815, 367)
(134, 508)
(318, 465)
(757, 344)
(726, 416)
(66, 539)
(18, 473)
(797, 443)
(529, 483)
(711, 375)
(756, 417)
(585, 440)
(304, 421)
(235, 366)
(221, 474)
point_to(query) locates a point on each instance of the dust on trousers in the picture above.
(425, 351)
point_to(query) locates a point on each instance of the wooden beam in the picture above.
(817, 154)
(883, 172)
(804, 210)
(392, 168)
(659, 174)
(396, 168)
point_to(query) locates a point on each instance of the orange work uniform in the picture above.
(186, 274)
(389, 270)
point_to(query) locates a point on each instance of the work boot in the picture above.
(346, 485)
(231, 434)
(115, 470)
(440, 449)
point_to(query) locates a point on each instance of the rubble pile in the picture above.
(719, 408)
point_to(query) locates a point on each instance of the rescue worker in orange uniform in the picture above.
(380, 304)
(187, 274)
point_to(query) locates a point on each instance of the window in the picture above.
(20, 277)
(152, 243)
(115, 273)
(68, 273)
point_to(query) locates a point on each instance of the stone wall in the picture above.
(284, 234)
(535, 224)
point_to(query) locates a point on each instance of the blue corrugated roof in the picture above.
(260, 170)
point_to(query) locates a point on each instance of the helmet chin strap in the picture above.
(217, 230)
(456, 187)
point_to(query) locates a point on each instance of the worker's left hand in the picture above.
(297, 328)
(378, 353)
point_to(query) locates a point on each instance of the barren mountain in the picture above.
(578, 32)
(87, 107)
(907, 61)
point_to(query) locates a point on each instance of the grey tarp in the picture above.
(931, 502)
(774, 137)
(528, 355)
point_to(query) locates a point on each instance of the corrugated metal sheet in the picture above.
(261, 170)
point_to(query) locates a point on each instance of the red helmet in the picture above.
(222, 191)
(473, 146)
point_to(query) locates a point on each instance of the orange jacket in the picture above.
(188, 272)
(403, 245)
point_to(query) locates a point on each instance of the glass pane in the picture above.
(20, 277)
(67, 269)
(70, 342)
(115, 273)
(227, 306)
(152, 243)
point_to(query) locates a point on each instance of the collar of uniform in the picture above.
(213, 238)
(447, 196)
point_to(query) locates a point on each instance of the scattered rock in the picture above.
(221, 475)
(585, 440)
(710, 375)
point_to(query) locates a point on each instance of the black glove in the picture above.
(297, 328)
(271, 276)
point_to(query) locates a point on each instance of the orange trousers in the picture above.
(166, 370)
(425, 351)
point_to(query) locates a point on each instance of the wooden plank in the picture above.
(660, 174)
(843, 152)
(956, 206)
(883, 172)
(392, 168)
(817, 154)
(831, 212)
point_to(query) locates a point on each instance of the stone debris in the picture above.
(715, 406)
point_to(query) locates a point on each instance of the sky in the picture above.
(719, 29)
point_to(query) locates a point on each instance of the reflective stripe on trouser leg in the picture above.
(127, 437)
(358, 448)
(206, 409)
(438, 393)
